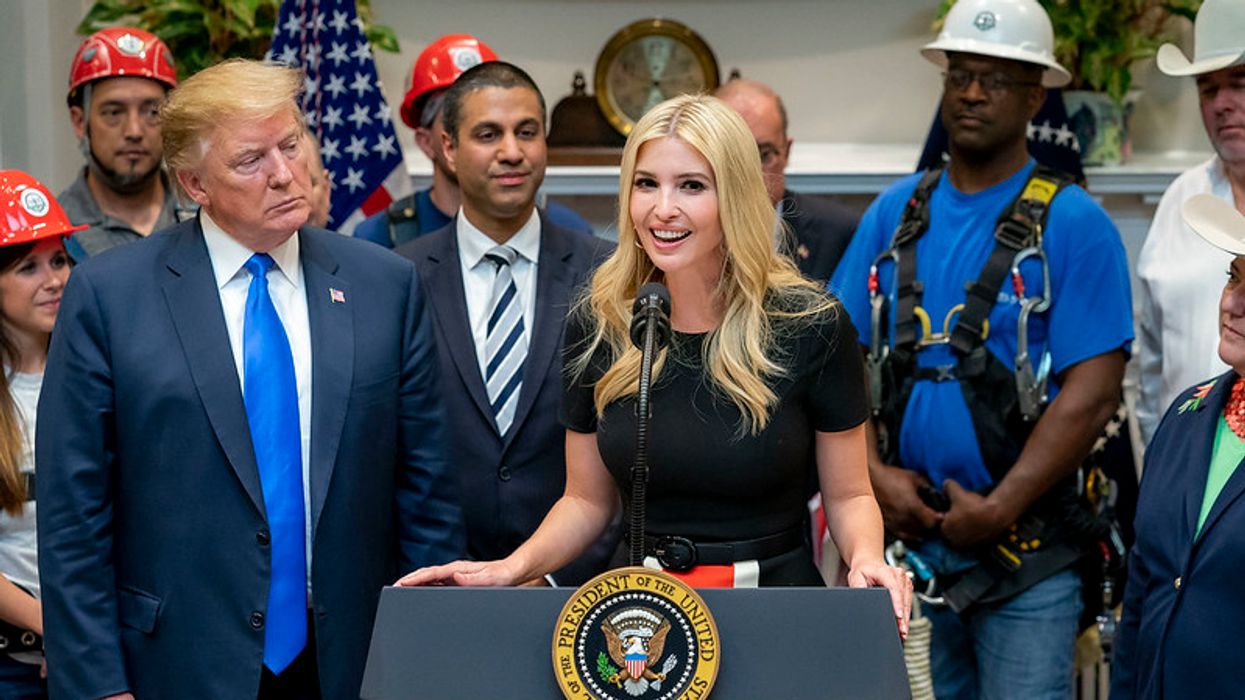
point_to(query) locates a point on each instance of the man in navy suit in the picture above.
(500, 279)
(247, 444)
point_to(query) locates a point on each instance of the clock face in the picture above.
(647, 63)
(650, 70)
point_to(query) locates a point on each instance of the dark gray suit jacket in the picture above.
(509, 484)
(821, 230)
(154, 557)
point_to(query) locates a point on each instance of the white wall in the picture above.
(37, 44)
(848, 69)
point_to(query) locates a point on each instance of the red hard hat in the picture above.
(28, 211)
(438, 66)
(122, 51)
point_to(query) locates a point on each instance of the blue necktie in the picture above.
(505, 343)
(270, 393)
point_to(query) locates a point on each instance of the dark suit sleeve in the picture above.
(1124, 664)
(430, 528)
(75, 460)
(822, 230)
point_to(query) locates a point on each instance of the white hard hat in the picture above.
(1018, 30)
(1218, 40)
(1216, 221)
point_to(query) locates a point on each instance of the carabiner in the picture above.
(1018, 283)
(1031, 386)
(917, 570)
(879, 348)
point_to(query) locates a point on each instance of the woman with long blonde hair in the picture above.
(762, 384)
(33, 270)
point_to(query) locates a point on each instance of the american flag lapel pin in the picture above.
(337, 296)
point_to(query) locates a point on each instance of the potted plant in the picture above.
(1099, 41)
(201, 33)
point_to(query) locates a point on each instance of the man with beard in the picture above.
(116, 84)
(436, 68)
(1177, 335)
(994, 297)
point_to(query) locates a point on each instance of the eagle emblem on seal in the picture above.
(636, 638)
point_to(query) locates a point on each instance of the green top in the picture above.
(1228, 452)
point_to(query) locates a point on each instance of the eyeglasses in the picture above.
(994, 82)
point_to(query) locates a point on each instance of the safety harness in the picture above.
(1004, 403)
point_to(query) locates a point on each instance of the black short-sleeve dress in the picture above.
(708, 483)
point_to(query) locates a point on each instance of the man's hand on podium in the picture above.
(462, 573)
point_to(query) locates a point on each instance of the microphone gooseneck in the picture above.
(650, 331)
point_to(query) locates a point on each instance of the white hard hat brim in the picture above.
(1054, 75)
(1172, 61)
(1216, 221)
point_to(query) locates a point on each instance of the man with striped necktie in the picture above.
(500, 279)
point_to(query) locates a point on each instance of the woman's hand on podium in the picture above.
(463, 573)
(894, 580)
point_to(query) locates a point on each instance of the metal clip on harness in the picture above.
(1031, 386)
(879, 347)
(896, 554)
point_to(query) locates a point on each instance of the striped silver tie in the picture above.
(505, 342)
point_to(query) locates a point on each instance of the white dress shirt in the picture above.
(285, 286)
(1180, 278)
(478, 275)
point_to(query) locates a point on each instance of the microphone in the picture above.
(651, 308)
(650, 331)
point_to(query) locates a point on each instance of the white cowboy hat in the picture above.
(1216, 221)
(1218, 41)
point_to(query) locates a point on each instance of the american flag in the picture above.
(343, 104)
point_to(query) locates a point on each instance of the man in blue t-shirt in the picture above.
(436, 68)
(998, 60)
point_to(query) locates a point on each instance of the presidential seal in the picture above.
(635, 633)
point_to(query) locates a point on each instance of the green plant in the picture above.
(1098, 41)
(201, 33)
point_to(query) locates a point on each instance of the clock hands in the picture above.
(657, 54)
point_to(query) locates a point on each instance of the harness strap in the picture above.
(402, 214)
(1020, 227)
(912, 225)
(998, 576)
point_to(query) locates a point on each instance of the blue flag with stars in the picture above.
(342, 102)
